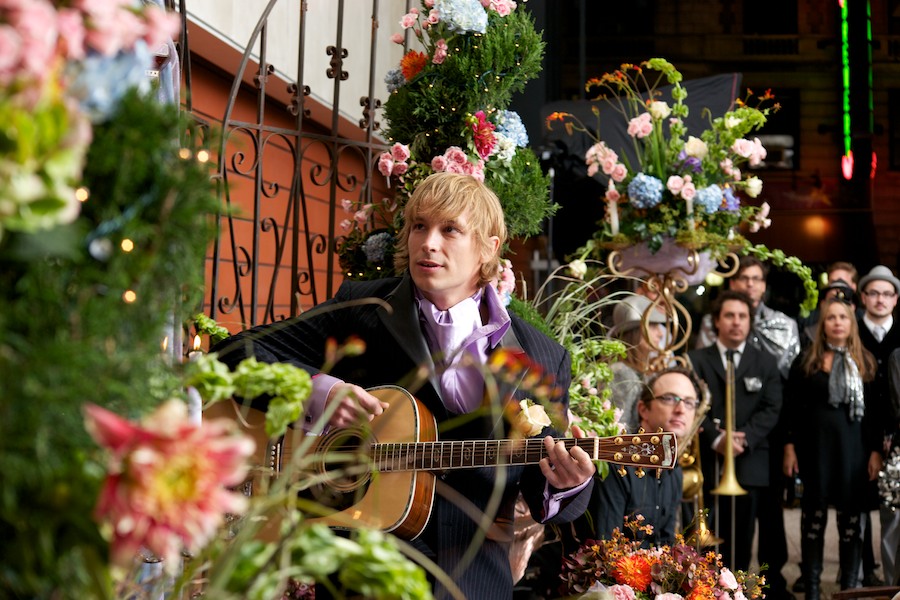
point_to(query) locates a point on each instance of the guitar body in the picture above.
(398, 502)
(381, 474)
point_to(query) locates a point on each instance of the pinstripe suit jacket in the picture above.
(396, 350)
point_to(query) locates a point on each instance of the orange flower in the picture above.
(633, 570)
(701, 591)
(412, 63)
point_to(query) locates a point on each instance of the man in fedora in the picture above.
(878, 291)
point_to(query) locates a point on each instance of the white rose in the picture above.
(532, 418)
(754, 186)
(659, 110)
(578, 268)
(696, 147)
(732, 122)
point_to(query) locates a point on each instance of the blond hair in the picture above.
(815, 357)
(446, 196)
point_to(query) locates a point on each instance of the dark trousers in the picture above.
(746, 512)
(772, 549)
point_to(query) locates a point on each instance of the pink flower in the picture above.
(758, 154)
(434, 17)
(621, 592)
(727, 580)
(674, 184)
(439, 163)
(428, 3)
(71, 33)
(743, 148)
(385, 164)
(619, 173)
(361, 216)
(409, 19)
(161, 27)
(166, 487)
(400, 152)
(688, 191)
(346, 224)
(397, 38)
(10, 53)
(399, 168)
(440, 52)
(640, 126)
(455, 154)
(501, 7)
(612, 194)
(347, 205)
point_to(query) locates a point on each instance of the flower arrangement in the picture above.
(619, 569)
(439, 121)
(681, 186)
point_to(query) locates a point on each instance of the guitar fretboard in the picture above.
(438, 456)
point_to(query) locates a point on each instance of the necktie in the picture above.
(461, 382)
(878, 332)
(730, 356)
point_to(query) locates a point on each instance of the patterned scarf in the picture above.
(845, 384)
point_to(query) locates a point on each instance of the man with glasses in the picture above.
(668, 402)
(772, 330)
(878, 294)
(757, 405)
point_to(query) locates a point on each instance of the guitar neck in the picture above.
(440, 456)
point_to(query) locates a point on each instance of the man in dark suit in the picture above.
(878, 291)
(757, 404)
(432, 330)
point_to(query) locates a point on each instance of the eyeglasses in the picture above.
(672, 400)
(750, 279)
(875, 293)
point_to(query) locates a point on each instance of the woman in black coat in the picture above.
(830, 443)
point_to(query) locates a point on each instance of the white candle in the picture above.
(613, 208)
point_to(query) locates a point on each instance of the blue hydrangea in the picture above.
(645, 191)
(394, 80)
(510, 124)
(99, 82)
(462, 15)
(709, 198)
(376, 247)
(732, 202)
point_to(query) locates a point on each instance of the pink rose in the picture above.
(455, 154)
(592, 169)
(346, 224)
(428, 3)
(640, 126)
(612, 194)
(408, 20)
(400, 152)
(385, 164)
(621, 592)
(439, 163)
(674, 184)
(619, 173)
(758, 154)
(440, 52)
(399, 168)
(742, 147)
(727, 580)
(608, 165)
(397, 38)
(347, 205)
(688, 191)
(434, 17)
(361, 216)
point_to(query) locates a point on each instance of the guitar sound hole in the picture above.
(343, 469)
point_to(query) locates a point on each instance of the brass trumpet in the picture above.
(728, 483)
(692, 482)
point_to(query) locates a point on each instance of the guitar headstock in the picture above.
(654, 450)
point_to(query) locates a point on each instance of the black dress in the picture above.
(832, 452)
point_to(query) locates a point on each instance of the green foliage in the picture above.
(517, 187)
(67, 336)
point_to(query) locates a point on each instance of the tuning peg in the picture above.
(640, 430)
(640, 472)
(622, 472)
(659, 430)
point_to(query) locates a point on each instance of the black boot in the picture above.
(812, 547)
(849, 548)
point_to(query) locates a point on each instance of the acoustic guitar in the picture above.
(381, 475)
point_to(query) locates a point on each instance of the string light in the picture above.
(184, 153)
(203, 156)
(82, 194)
(127, 245)
(129, 296)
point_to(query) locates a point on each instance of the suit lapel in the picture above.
(402, 322)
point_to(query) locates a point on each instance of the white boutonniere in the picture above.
(752, 384)
(531, 418)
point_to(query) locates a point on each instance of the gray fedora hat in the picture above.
(628, 313)
(879, 273)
